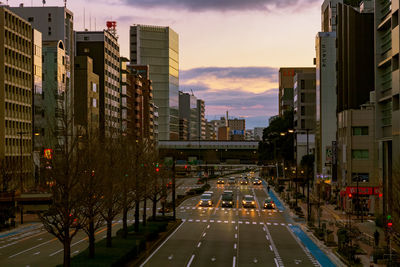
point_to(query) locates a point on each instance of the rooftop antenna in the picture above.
(95, 24)
(65, 3)
(192, 92)
(90, 21)
(84, 26)
(43, 2)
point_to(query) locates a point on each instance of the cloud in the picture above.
(217, 5)
(249, 92)
(232, 72)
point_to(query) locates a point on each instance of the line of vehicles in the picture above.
(227, 198)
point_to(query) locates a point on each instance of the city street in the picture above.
(232, 236)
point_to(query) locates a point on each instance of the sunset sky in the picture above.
(230, 50)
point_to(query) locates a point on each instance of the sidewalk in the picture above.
(334, 219)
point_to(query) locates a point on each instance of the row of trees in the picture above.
(93, 179)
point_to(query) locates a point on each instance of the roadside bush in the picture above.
(180, 196)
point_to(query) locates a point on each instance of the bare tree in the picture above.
(64, 217)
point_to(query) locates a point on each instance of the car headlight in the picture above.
(223, 202)
(244, 201)
(230, 202)
(252, 202)
(209, 202)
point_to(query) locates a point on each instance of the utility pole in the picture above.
(173, 189)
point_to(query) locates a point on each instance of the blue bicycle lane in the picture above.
(317, 253)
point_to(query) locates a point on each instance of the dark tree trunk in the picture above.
(125, 222)
(144, 212)
(137, 216)
(109, 229)
(91, 238)
(154, 208)
(67, 251)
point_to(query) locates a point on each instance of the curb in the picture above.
(143, 256)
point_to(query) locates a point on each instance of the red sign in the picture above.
(48, 153)
(363, 190)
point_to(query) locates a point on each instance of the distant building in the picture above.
(125, 94)
(201, 119)
(223, 133)
(183, 129)
(258, 133)
(249, 135)
(86, 102)
(158, 47)
(286, 85)
(211, 130)
(188, 111)
(103, 48)
(237, 129)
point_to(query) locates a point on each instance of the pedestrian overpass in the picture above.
(211, 152)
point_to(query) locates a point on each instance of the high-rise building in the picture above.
(387, 109)
(141, 100)
(55, 24)
(158, 47)
(125, 94)
(328, 15)
(189, 112)
(16, 88)
(355, 57)
(103, 48)
(86, 102)
(286, 85)
(201, 117)
(211, 130)
(52, 121)
(325, 119)
(304, 101)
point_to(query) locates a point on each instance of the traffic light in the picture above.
(350, 195)
(389, 223)
(185, 166)
(157, 169)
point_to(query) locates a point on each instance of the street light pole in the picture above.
(21, 174)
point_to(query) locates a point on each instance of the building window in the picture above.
(86, 50)
(302, 84)
(303, 97)
(303, 110)
(360, 130)
(361, 177)
(94, 102)
(30, 19)
(303, 124)
(94, 87)
(360, 153)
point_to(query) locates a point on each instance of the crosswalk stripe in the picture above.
(233, 222)
(254, 222)
(204, 220)
(219, 221)
(212, 221)
(240, 222)
(197, 220)
(247, 222)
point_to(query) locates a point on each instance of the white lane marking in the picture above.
(58, 251)
(234, 261)
(12, 256)
(197, 220)
(268, 223)
(282, 224)
(165, 241)
(190, 220)
(289, 224)
(275, 223)
(183, 220)
(194, 208)
(235, 235)
(208, 226)
(233, 222)
(204, 220)
(211, 221)
(278, 258)
(190, 261)
(204, 234)
(234, 246)
(219, 221)
(254, 222)
(261, 223)
(240, 222)
(236, 227)
(247, 222)
(267, 237)
(225, 221)
(276, 262)
(37, 253)
(270, 247)
(199, 244)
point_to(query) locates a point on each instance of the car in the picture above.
(220, 181)
(206, 200)
(227, 199)
(209, 192)
(269, 204)
(248, 201)
(244, 181)
(232, 180)
(256, 181)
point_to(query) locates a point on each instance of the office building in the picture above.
(16, 89)
(183, 129)
(357, 158)
(328, 15)
(387, 109)
(189, 112)
(304, 101)
(158, 47)
(86, 102)
(326, 99)
(286, 85)
(211, 130)
(103, 48)
(124, 94)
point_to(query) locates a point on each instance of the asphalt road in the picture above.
(216, 236)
